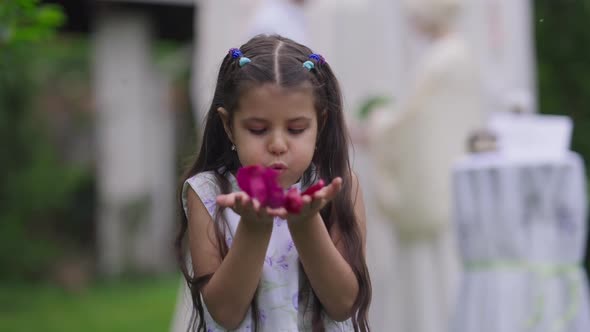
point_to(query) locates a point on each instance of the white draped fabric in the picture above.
(360, 39)
(414, 149)
(521, 228)
(501, 33)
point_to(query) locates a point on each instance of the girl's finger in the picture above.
(266, 213)
(317, 203)
(324, 191)
(227, 200)
(337, 186)
(243, 201)
(330, 191)
(277, 212)
(255, 204)
(237, 206)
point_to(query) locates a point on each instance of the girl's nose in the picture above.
(277, 145)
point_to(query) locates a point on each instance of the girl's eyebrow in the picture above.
(300, 118)
(295, 119)
(255, 119)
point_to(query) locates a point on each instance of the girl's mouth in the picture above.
(279, 167)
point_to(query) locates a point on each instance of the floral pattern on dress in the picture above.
(210, 204)
(279, 222)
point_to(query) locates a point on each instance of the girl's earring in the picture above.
(233, 147)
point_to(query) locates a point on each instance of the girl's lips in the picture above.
(278, 167)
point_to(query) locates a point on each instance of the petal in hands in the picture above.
(313, 188)
(261, 183)
(293, 201)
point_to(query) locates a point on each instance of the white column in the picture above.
(135, 148)
(154, 246)
(219, 26)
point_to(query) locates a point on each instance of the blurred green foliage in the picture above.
(27, 21)
(563, 53)
(118, 306)
(372, 103)
(563, 69)
(36, 185)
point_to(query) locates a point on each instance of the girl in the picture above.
(259, 269)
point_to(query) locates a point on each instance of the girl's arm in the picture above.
(322, 256)
(230, 290)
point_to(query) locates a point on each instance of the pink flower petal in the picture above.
(293, 201)
(276, 194)
(261, 183)
(245, 174)
(258, 190)
(276, 197)
(312, 189)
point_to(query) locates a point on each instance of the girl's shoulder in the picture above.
(206, 187)
(204, 181)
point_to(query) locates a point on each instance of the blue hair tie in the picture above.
(308, 65)
(317, 57)
(235, 53)
(244, 61)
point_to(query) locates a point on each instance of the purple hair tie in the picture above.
(317, 57)
(235, 53)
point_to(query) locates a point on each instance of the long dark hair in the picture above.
(279, 60)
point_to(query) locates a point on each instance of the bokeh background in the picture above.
(53, 275)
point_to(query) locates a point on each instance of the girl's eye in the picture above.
(296, 130)
(257, 131)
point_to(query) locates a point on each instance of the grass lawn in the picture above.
(122, 306)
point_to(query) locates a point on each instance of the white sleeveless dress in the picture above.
(279, 303)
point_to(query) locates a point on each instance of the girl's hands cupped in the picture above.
(249, 209)
(314, 203)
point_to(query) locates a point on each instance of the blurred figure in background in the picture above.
(413, 149)
(283, 17)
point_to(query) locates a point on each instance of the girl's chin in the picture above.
(286, 183)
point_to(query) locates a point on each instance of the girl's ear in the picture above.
(224, 115)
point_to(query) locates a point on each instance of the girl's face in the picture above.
(275, 127)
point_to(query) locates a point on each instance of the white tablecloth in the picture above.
(521, 230)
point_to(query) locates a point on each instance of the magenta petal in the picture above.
(276, 194)
(261, 183)
(258, 190)
(276, 197)
(251, 181)
(245, 174)
(270, 177)
(312, 189)
(293, 201)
